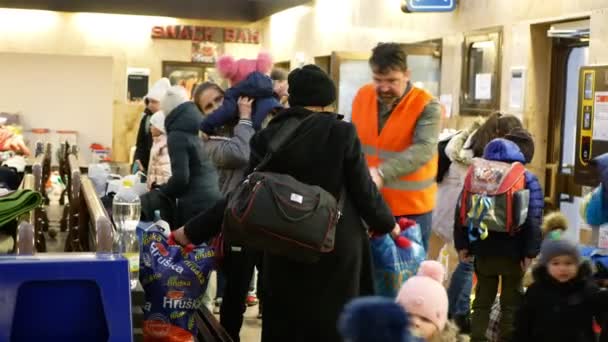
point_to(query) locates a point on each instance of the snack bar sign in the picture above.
(429, 5)
(207, 34)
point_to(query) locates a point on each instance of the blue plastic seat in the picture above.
(65, 297)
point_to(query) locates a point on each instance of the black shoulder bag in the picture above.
(279, 215)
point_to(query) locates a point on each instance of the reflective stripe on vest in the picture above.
(409, 194)
(397, 184)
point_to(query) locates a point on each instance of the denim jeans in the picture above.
(425, 221)
(459, 291)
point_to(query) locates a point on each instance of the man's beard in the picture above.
(387, 98)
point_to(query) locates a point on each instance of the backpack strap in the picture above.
(464, 195)
(516, 172)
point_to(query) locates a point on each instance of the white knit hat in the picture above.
(158, 90)
(158, 120)
(175, 96)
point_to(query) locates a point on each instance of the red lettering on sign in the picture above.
(158, 32)
(171, 32)
(197, 35)
(254, 37)
(601, 98)
(186, 33)
(208, 34)
(229, 35)
(242, 36)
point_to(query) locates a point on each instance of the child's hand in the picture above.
(464, 256)
(180, 237)
(140, 166)
(245, 107)
(525, 264)
(396, 232)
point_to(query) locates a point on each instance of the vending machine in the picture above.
(592, 122)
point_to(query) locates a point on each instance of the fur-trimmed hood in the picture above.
(459, 147)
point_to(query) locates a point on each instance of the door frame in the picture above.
(557, 183)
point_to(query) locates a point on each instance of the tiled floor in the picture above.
(252, 326)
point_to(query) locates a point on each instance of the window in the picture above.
(480, 88)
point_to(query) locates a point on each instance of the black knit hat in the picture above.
(524, 140)
(310, 86)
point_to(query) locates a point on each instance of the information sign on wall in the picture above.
(428, 5)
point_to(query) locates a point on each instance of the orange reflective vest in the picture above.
(410, 194)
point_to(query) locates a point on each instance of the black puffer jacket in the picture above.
(560, 312)
(194, 180)
(144, 139)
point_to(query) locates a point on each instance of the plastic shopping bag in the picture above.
(393, 265)
(174, 279)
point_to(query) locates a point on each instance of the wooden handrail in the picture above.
(29, 183)
(37, 173)
(74, 241)
(31, 220)
(74, 168)
(100, 234)
(26, 238)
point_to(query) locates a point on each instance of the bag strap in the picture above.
(341, 201)
(279, 140)
(285, 134)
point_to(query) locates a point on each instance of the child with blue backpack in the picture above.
(498, 221)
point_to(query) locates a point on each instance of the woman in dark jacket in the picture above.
(194, 180)
(229, 150)
(325, 151)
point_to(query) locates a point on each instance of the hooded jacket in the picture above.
(230, 154)
(527, 242)
(257, 86)
(194, 180)
(144, 139)
(458, 151)
(560, 312)
(159, 168)
(596, 210)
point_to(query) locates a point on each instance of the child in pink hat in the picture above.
(426, 301)
(248, 78)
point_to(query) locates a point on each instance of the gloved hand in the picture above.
(405, 224)
(400, 240)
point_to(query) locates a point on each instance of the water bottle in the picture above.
(126, 211)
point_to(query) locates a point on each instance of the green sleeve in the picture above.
(423, 148)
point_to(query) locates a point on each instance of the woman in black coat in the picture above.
(303, 301)
(194, 180)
